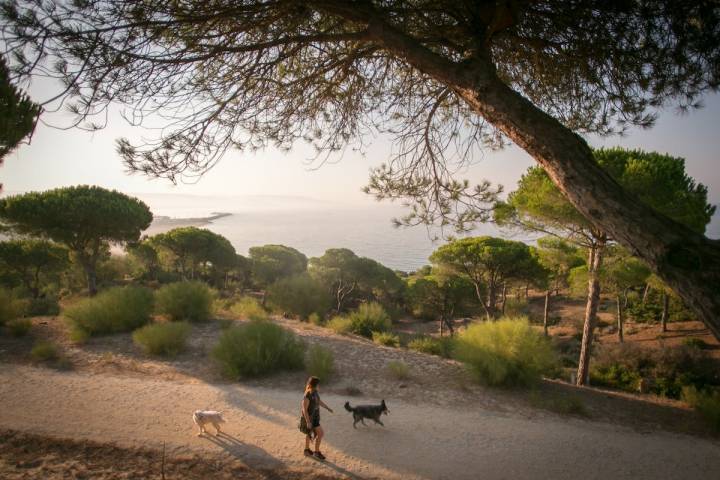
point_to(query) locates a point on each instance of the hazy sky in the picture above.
(60, 158)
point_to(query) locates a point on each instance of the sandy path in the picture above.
(419, 441)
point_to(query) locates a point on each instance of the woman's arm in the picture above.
(322, 404)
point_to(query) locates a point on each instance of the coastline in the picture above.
(161, 223)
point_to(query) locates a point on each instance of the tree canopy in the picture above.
(273, 262)
(441, 77)
(487, 262)
(18, 114)
(32, 261)
(193, 248)
(440, 295)
(349, 277)
(83, 218)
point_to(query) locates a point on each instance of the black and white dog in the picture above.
(371, 412)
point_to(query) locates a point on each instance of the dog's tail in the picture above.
(348, 407)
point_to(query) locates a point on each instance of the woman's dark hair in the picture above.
(311, 384)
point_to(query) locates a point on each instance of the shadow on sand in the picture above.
(251, 455)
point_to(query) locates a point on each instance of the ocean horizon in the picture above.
(312, 225)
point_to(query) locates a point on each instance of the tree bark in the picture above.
(620, 319)
(91, 276)
(594, 263)
(646, 292)
(665, 311)
(504, 298)
(491, 300)
(545, 312)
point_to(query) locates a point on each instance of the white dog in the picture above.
(203, 417)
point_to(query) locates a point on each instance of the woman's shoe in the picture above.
(308, 452)
(319, 455)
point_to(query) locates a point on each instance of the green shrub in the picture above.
(316, 319)
(320, 362)
(667, 369)
(706, 403)
(505, 352)
(119, 309)
(694, 342)
(249, 308)
(11, 307)
(47, 305)
(258, 348)
(442, 347)
(19, 327)
(163, 339)
(398, 370)
(616, 376)
(299, 295)
(369, 317)
(386, 338)
(341, 325)
(44, 351)
(516, 307)
(191, 301)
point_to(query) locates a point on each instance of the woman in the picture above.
(311, 412)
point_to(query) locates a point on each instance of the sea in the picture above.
(308, 225)
(312, 226)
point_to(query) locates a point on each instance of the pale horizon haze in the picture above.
(56, 158)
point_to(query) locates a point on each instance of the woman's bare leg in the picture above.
(318, 437)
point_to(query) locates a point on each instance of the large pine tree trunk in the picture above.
(545, 312)
(666, 311)
(594, 263)
(620, 319)
(504, 298)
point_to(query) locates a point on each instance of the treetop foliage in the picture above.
(658, 180)
(227, 74)
(486, 259)
(18, 113)
(272, 262)
(76, 216)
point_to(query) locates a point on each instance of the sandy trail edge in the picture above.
(419, 441)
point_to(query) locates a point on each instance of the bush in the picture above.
(191, 301)
(11, 307)
(19, 327)
(706, 403)
(341, 325)
(320, 362)
(119, 309)
(164, 339)
(44, 351)
(316, 319)
(516, 307)
(505, 352)
(386, 338)
(300, 295)
(369, 317)
(47, 305)
(249, 308)
(667, 369)
(398, 370)
(442, 347)
(694, 342)
(258, 348)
